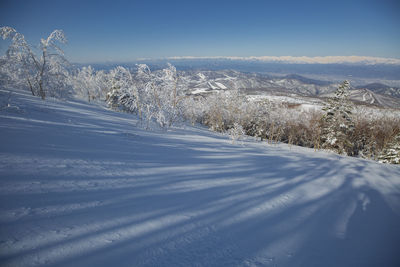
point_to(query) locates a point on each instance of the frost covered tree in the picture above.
(337, 124)
(391, 153)
(166, 98)
(236, 132)
(124, 93)
(194, 108)
(257, 118)
(44, 72)
(223, 109)
(161, 96)
(90, 84)
(154, 96)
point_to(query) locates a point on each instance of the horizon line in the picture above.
(369, 60)
(362, 60)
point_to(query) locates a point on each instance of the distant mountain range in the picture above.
(204, 82)
(383, 89)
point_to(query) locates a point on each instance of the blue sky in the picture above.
(125, 30)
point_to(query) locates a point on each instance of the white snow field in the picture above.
(83, 186)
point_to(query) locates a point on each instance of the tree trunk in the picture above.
(41, 90)
(30, 87)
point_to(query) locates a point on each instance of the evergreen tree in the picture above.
(337, 124)
(391, 153)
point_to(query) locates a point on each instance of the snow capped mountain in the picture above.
(252, 82)
(304, 86)
(260, 78)
(203, 82)
(383, 89)
(369, 97)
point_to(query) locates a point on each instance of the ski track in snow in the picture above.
(83, 186)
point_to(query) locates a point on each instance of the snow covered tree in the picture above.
(391, 153)
(152, 95)
(90, 84)
(194, 108)
(124, 93)
(161, 97)
(15, 64)
(337, 124)
(255, 118)
(236, 132)
(224, 108)
(44, 72)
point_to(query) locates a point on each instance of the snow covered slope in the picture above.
(82, 186)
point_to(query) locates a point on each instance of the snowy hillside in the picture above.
(83, 186)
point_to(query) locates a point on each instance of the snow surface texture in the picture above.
(82, 186)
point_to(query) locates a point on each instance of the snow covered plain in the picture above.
(83, 186)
